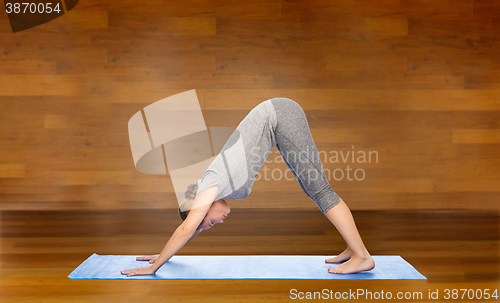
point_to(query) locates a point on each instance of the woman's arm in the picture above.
(194, 235)
(153, 258)
(183, 234)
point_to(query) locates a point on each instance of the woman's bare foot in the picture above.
(353, 265)
(345, 255)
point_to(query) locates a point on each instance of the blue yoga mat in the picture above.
(242, 267)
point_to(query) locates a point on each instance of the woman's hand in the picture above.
(146, 270)
(151, 259)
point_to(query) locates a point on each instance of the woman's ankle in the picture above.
(362, 254)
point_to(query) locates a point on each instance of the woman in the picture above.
(279, 122)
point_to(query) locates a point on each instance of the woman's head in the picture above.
(216, 214)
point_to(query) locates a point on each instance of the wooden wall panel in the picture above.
(415, 81)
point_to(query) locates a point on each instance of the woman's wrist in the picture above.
(153, 268)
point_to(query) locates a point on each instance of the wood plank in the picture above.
(274, 25)
(92, 17)
(476, 136)
(442, 100)
(482, 80)
(436, 200)
(45, 85)
(379, 121)
(367, 60)
(440, 59)
(12, 170)
(368, 80)
(157, 8)
(365, 8)
(464, 184)
(308, 99)
(354, 28)
(93, 177)
(485, 7)
(29, 67)
(355, 99)
(148, 54)
(270, 60)
(211, 79)
(18, 50)
(459, 26)
(169, 25)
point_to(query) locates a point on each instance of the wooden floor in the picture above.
(453, 249)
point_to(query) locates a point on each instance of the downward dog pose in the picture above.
(279, 122)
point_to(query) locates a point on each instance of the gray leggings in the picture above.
(297, 148)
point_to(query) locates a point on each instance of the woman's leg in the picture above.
(358, 257)
(297, 147)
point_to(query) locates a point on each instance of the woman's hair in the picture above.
(190, 194)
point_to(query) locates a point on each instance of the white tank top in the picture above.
(237, 165)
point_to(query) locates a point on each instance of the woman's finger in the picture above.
(141, 258)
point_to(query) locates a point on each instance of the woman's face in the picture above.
(216, 214)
